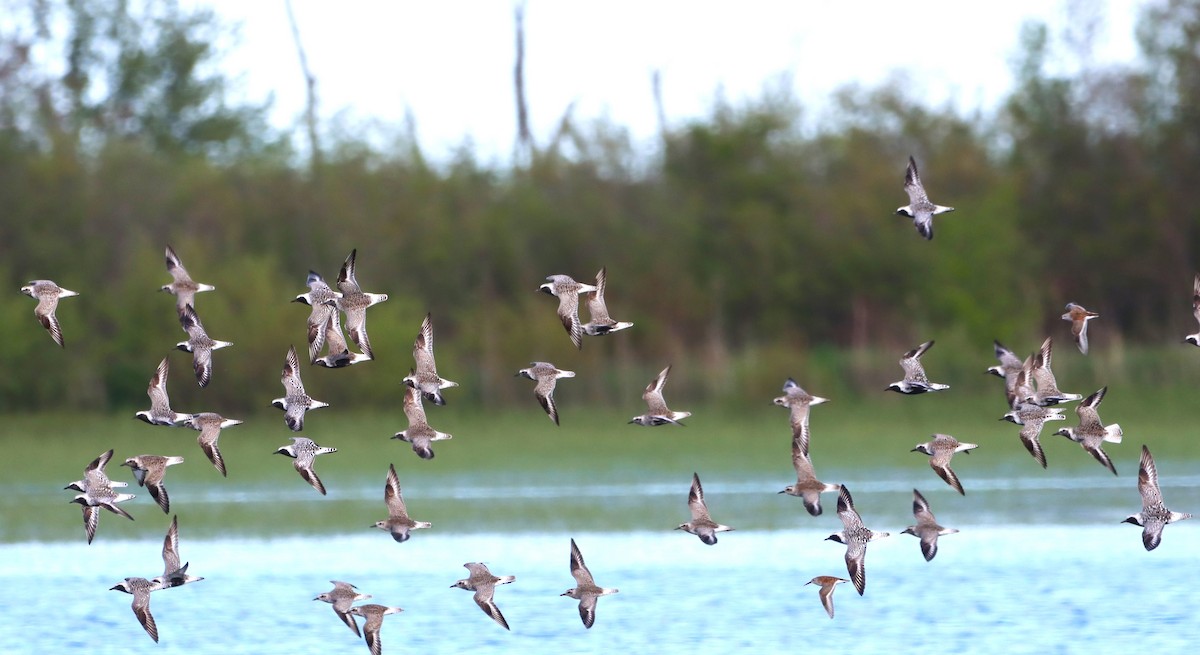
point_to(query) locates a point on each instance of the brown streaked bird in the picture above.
(567, 291)
(798, 401)
(304, 451)
(586, 591)
(1154, 515)
(1194, 339)
(342, 596)
(657, 411)
(940, 450)
(600, 323)
(927, 528)
(1031, 418)
(173, 575)
(340, 355)
(140, 589)
(209, 425)
(1079, 317)
(1047, 392)
(919, 209)
(318, 298)
(295, 401)
(183, 287)
(149, 470)
(855, 536)
(199, 344)
(808, 488)
(419, 433)
(424, 375)
(374, 623)
(827, 584)
(47, 293)
(398, 523)
(160, 412)
(546, 376)
(354, 303)
(701, 524)
(1091, 433)
(483, 583)
(94, 476)
(915, 381)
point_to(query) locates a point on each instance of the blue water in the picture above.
(993, 588)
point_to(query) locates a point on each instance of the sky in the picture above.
(450, 63)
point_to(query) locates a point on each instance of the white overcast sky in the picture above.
(450, 61)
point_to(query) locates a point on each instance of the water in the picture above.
(995, 587)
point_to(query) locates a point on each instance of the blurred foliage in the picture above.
(752, 245)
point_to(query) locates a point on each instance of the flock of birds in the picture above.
(1031, 394)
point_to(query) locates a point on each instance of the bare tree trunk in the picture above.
(524, 145)
(310, 88)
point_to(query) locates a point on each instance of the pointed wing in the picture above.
(1196, 298)
(190, 322)
(332, 334)
(45, 315)
(484, 599)
(587, 609)
(356, 325)
(175, 267)
(1029, 437)
(1152, 533)
(846, 512)
(208, 443)
(597, 310)
(856, 554)
(290, 376)
(800, 433)
(696, 500)
(568, 313)
(414, 409)
(141, 609)
(202, 365)
(654, 396)
(305, 469)
(1148, 482)
(929, 544)
(170, 551)
(1089, 416)
(423, 348)
(160, 403)
(392, 495)
(579, 570)
(544, 390)
(920, 508)
(1098, 452)
(91, 519)
(347, 283)
(826, 594)
(373, 640)
(911, 363)
(912, 184)
(158, 491)
(941, 465)
(800, 459)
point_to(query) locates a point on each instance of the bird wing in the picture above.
(696, 503)
(393, 497)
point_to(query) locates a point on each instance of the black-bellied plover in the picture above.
(140, 588)
(96, 491)
(209, 425)
(183, 287)
(342, 597)
(940, 450)
(808, 488)
(657, 411)
(1009, 368)
(1031, 417)
(374, 622)
(585, 591)
(927, 528)
(797, 401)
(1091, 433)
(1079, 317)
(424, 375)
(919, 208)
(398, 523)
(304, 451)
(483, 583)
(1154, 515)
(199, 344)
(149, 470)
(295, 401)
(546, 376)
(567, 291)
(339, 354)
(47, 294)
(173, 575)
(160, 412)
(1047, 391)
(827, 584)
(855, 536)
(419, 433)
(354, 303)
(914, 381)
(701, 524)
(1194, 339)
(600, 323)
(319, 297)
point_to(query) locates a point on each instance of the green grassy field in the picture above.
(516, 470)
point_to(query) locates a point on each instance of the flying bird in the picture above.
(149, 470)
(340, 355)
(586, 591)
(798, 401)
(295, 401)
(173, 575)
(304, 451)
(424, 376)
(807, 486)
(483, 583)
(199, 344)
(342, 597)
(701, 524)
(47, 293)
(209, 425)
(1031, 418)
(914, 381)
(1091, 433)
(160, 412)
(927, 528)
(398, 523)
(354, 303)
(940, 450)
(374, 622)
(567, 291)
(183, 287)
(827, 584)
(141, 588)
(1047, 392)
(319, 298)
(855, 536)
(1079, 317)
(419, 433)
(919, 209)
(600, 322)
(657, 411)
(1154, 515)
(546, 376)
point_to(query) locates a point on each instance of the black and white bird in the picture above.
(424, 376)
(1091, 433)
(47, 293)
(701, 524)
(398, 523)
(567, 291)
(915, 381)
(199, 344)
(919, 209)
(483, 583)
(855, 536)
(295, 402)
(1154, 515)
(545, 376)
